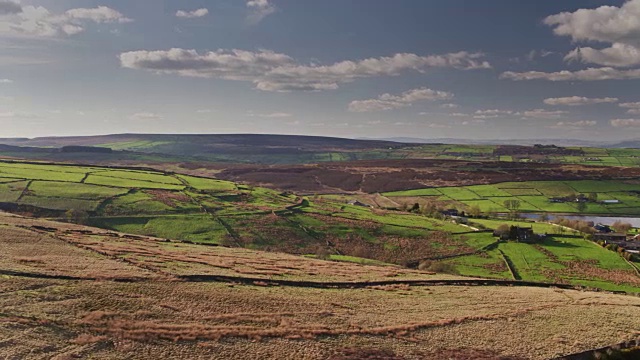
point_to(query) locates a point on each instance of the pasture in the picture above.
(536, 196)
(216, 212)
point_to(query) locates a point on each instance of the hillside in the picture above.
(71, 291)
(295, 149)
(215, 212)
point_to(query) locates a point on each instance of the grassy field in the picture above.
(564, 256)
(534, 196)
(215, 212)
(72, 296)
(212, 211)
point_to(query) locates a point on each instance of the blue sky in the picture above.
(492, 69)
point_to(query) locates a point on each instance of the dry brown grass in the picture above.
(160, 318)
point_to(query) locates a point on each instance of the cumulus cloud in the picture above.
(630, 105)
(590, 74)
(625, 123)
(6, 81)
(258, 10)
(578, 100)
(618, 55)
(390, 102)
(145, 116)
(493, 112)
(271, 71)
(185, 14)
(8, 7)
(543, 114)
(633, 108)
(618, 26)
(38, 21)
(449, 106)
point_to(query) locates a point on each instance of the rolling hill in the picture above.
(72, 291)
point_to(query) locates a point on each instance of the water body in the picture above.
(607, 220)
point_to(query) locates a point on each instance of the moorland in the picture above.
(251, 221)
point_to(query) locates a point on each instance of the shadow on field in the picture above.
(559, 243)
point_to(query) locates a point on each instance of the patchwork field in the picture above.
(535, 196)
(216, 212)
(195, 210)
(70, 291)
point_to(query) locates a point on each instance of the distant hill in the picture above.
(559, 142)
(241, 148)
(213, 140)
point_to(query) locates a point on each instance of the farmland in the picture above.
(76, 291)
(281, 149)
(207, 211)
(217, 212)
(535, 196)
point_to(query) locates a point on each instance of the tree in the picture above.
(475, 211)
(502, 230)
(76, 216)
(543, 218)
(593, 197)
(621, 227)
(582, 206)
(512, 206)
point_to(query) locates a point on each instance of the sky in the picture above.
(465, 69)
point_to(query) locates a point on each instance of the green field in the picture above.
(562, 257)
(534, 196)
(216, 212)
(212, 211)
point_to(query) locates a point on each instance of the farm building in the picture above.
(520, 234)
(612, 201)
(601, 228)
(610, 237)
(450, 212)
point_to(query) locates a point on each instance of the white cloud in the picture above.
(493, 112)
(185, 14)
(9, 7)
(271, 71)
(630, 105)
(145, 116)
(578, 100)
(204, 111)
(590, 74)
(618, 55)
(38, 21)
(618, 26)
(633, 107)
(390, 102)
(625, 122)
(101, 14)
(544, 114)
(459, 115)
(6, 81)
(274, 115)
(574, 125)
(258, 10)
(449, 106)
